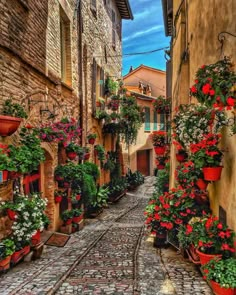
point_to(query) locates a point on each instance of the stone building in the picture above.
(196, 29)
(141, 156)
(54, 57)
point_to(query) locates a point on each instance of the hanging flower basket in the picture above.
(11, 214)
(204, 258)
(5, 263)
(218, 290)
(78, 197)
(160, 150)
(160, 167)
(212, 173)
(71, 155)
(91, 140)
(181, 156)
(202, 184)
(8, 125)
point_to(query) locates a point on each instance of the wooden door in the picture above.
(143, 162)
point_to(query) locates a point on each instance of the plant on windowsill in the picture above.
(12, 115)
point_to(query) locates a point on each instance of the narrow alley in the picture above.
(111, 255)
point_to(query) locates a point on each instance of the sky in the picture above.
(144, 33)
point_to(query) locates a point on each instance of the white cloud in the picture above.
(157, 28)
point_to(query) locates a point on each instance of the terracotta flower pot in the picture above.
(218, 290)
(58, 199)
(8, 125)
(91, 140)
(4, 175)
(26, 250)
(68, 221)
(212, 173)
(71, 155)
(204, 258)
(17, 256)
(160, 150)
(87, 156)
(5, 263)
(35, 239)
(59, 178)
(77, 219)
(201, 183)
(11, 214)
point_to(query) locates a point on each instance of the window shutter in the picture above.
(94, 82)
(154, 120)
(147, 119)
(102, 82)
(162, 119)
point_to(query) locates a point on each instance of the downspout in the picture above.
(80, 64)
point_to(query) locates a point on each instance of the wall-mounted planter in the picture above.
(212, 173)
(8, 125)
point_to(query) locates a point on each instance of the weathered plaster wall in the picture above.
(202, 22)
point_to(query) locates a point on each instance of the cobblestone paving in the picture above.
(111, 255)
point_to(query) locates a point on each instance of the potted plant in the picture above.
(7, 248)
(222, 275)
(187, 174)
(100, 152)
(91, 138)
(11, 209)
(114, 103)
(161, 162)
(158, 139)
(19, 251)
(67, 216)
(208, 156)
(162, 105)
(72, 150)
(58, 195)
(12, 115)
(76, 194)
(86, 153)
(77, 215)
(214, 83)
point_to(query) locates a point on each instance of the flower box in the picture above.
(26, 250)
(212, 173)
(17, 256)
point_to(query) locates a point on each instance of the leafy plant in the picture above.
(100, 152)
(91, 169)
(92, 135)
(13, 109)
(73, 147)
(221, 271)
(101, 197)
(76, 212)
(7, 248)
(162, 104)
(67, 214)
(134, 179)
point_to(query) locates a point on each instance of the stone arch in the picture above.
(47, 182)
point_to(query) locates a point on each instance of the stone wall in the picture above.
(30, 73)
(198, 27)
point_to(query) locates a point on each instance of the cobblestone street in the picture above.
(111, 255)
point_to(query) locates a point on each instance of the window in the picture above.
(147, 119)
(155, 120)
(162, 121)
(113, 18)
(65, 40)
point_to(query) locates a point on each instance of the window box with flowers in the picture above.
(12, 115)
(222, 275)
(208, 156)
(214, 83)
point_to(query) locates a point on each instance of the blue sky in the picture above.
(144, 33)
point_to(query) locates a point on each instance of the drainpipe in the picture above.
(80, 64)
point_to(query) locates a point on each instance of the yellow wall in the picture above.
(198, 27)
